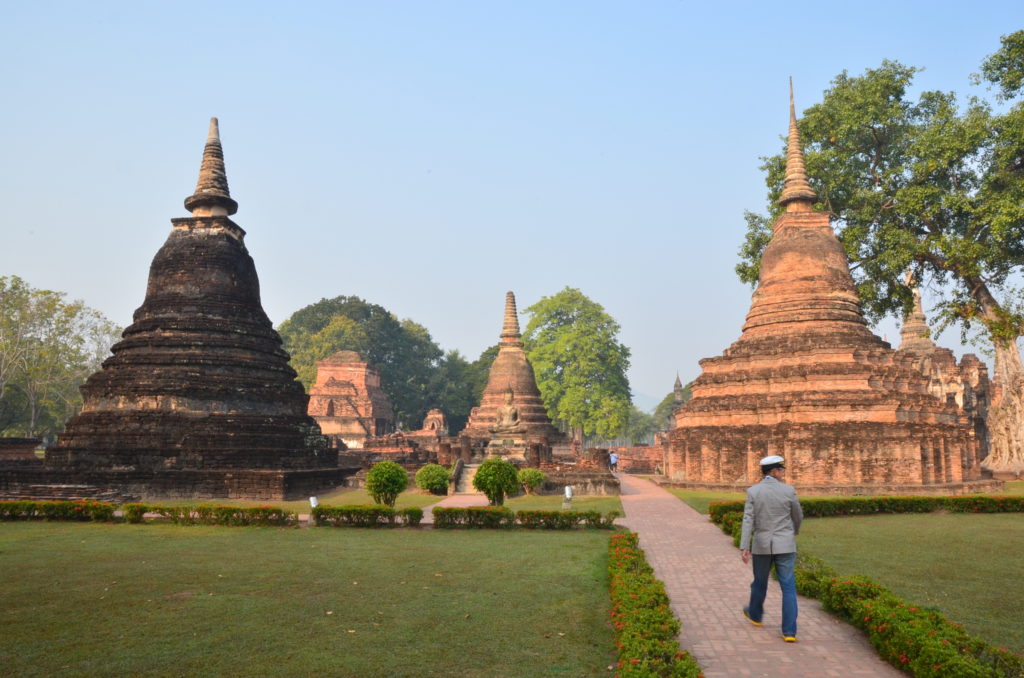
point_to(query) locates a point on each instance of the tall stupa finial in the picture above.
(797, 194)
(212, 197)
(510, 327)
(915, 333)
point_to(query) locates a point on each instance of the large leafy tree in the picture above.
(932, 186)
(48, 346)
(402, 351)
(452, 387)
(579, 363)
(664, 413)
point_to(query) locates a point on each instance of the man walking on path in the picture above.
(771, 521)
(613, 462)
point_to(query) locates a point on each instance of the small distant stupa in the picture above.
(512, 373)
(199, 385)
(809, 381)
(965, 384)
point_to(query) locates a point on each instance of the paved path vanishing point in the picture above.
(709, 585)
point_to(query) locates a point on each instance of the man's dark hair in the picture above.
(765, 470)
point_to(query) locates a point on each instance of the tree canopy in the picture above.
(579, 363)
(925, 184)
(415, 373)
(664, 413)
(48, 347)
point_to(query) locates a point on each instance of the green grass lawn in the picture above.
(968, 566)
(163, 600)
(338, 497)
(700, 499)
(1013, 488)
(532, 502)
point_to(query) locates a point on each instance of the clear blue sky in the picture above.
(428, 156)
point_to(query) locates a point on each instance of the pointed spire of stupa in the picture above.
(915, 333)
(677, 390)
(510, 328)
(797, 194)
(212, 197)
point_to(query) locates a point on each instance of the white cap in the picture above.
(774, 459)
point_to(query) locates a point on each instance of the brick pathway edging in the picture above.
(709, 584)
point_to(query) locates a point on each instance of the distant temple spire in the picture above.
(510, 327)
(212, 197)
(797, 194)
(677, 390)
(915, 333)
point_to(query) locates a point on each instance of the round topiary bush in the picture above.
(496, 478)
(531, 479)
(433, 478)
(385, 481)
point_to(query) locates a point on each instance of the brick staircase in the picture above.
(465, 485)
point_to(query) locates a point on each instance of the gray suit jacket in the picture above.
(771, 518)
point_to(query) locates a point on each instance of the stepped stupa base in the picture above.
(253, 485)
(513, 450)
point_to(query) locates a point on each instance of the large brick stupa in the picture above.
(511, 374)
(198, 398)
(809, 381)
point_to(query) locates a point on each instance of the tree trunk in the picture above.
(1006, 415)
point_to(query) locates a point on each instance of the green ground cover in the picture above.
(529, 502)
(410, 498)
(968, 566)
(345, 495)
(700, 499)
(158, 600)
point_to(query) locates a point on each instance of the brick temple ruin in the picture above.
(198, 399)
(511, 422)
(809, 381)
(348, 402)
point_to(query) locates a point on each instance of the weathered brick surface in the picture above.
(809, 381)
(18, 448)
(199, 383)
(347, 400)
(640, 458)
(512, 371)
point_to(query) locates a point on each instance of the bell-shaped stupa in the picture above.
(512, 373)
(199, 384)
(809, 381)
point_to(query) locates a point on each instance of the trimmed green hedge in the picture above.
(921, 642)
(565, 520)
(500, 517)
(645, 629)
(85, 510)
(211, 514)
(366, 516)
(474, 517)
(859, 506)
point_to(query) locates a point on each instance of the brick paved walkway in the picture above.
(709, 584)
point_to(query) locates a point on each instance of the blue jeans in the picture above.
(784, 564)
